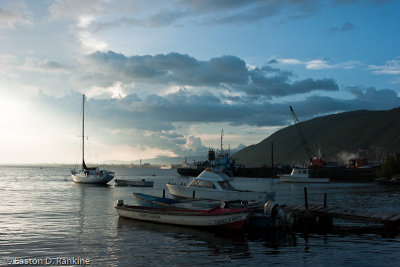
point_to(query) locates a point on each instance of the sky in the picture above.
(163, 78)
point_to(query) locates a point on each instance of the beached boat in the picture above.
(211, 185)
(89, 175)
(215, 217)
(138, 183)
(301, 175)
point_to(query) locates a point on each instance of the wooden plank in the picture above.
(313, 208)
(320, 209)
(386, 216)
(395, 218)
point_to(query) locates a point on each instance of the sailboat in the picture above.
(89, 175)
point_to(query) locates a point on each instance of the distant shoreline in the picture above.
(68, 165)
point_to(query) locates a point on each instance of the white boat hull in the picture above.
(179, 191)
(233, 220)
(301, 175)
(82, 178)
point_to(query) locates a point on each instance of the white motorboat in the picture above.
(89, 175)
(211, 185)
(301, 175)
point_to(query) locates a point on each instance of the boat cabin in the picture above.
(300, 172)
(211, 180)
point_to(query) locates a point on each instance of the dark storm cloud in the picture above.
(159, 116)
(160, 113)
(228, 72)
(370, 98)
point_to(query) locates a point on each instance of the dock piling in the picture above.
(305, 198)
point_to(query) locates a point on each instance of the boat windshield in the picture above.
(201, 183)
(225, 185)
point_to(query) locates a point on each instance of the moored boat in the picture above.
(89, 175)
(220, 161)
(215, 217)
(138, 183)
(301, 175)
(211, 185)
(163, 202)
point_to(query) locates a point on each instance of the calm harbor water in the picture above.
(44, 215)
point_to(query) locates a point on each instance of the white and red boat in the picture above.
(232, 218)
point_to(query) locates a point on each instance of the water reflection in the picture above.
(216, 241)
(42, 215)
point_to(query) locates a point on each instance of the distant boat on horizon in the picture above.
(166, 167)
(89, 175)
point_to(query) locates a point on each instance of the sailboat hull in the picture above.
(92, 178)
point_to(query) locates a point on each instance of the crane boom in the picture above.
(301, 133)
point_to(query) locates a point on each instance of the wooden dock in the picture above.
(318, 217)
(321, 216)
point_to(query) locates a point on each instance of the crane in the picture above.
(315, 162)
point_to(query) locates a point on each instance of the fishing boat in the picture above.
(211, 185)
(163, 202)
(234, 218)
(138, 183)
(301, 175)
(89, 175)
(153, 201)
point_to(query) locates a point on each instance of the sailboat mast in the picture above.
(83, 132)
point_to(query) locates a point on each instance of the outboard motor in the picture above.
(120, 202)
(271, 208)
(278, 215)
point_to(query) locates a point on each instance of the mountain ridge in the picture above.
(363, 133)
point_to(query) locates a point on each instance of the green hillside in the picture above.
(340, 136)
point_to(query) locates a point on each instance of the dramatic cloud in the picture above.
(226, 72)
(162, 113)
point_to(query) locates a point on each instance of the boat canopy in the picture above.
(209, 175)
